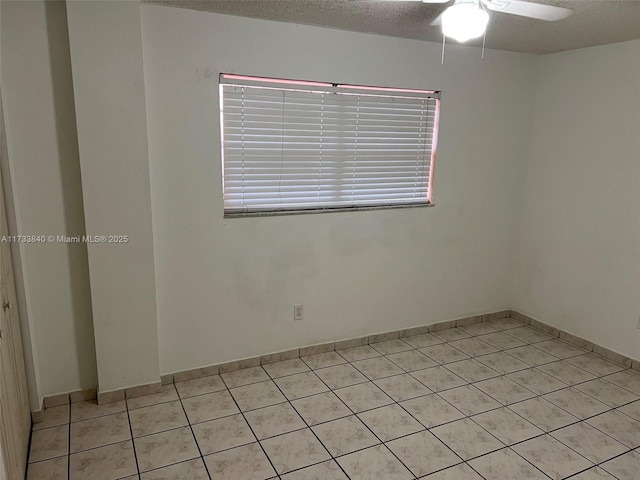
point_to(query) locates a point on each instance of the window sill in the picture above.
(272, 213)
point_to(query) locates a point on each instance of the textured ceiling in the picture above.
(593, 22)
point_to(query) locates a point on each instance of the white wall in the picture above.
(47, 195)
(226, 287)
(108, 82)
(578, 262)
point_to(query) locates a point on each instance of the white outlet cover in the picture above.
(298, 312)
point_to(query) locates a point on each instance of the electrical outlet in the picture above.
(298, 312)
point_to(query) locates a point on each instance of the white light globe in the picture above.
(464, 21)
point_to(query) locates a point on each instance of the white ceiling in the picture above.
(593, 22)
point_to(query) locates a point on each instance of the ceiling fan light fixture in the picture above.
(464, 21)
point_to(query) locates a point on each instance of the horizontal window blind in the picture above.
(290, 145)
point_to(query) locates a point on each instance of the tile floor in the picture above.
(489, 401)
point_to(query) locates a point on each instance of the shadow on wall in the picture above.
(67, 136)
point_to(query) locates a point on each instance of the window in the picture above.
(292, 146)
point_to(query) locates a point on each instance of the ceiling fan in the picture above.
(467, 19)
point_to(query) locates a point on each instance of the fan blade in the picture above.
(423, 1)
(528, 9)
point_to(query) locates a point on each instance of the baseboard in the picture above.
(129, 392)
(191, 374)
(184, 375)
(606, 353)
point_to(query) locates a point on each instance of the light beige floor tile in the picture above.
(49, 443)
(567, 373)
(411, 360)
(53, 417)
(423, 340)
(595, 473)
(537, 381)
(438, 378)
(469, 400)
(301, 385)
(450, 334)
(471, 370)
(244, 376)
(632, 409)
(364, 396)
(162, 449)
(443, 353)
(209, 406)
(189, 470)
(431, 410)
(105, 463)
(358, 353)
(402, 387)
(474, 346)
(286, 367)
(320, 408)
(504, 390)
(552, 457)
(54, 469)
(594, 364)
(274, 420)
(242, 463)
(589, 442)
(167, 394)
(560, 349)
(459, 472)
(375, 463)
(378, 367)
(90, 409)
(257, 395)
(576, 402)
(531, 355)
(340, 376)
(390, 422)
(627, 379)
(391, 346)
(222, 433)
(345, 435)
(607, 392)
(505, 464)
(619, 426)
(543, 414)
(478, 329)
(501, 340)
(412, 449)
(528, 335)
(100, 431)
(625, 467)
(200, 386)
(503, 362)
(294, 450)
(322, 360)
(157, 418)
(466, 438)
(323, 471)
(507, 426)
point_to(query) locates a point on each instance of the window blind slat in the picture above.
(285, 148)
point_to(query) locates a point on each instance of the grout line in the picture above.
(193, 435)
(133, 443)
(249, 425)
(313, 432)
